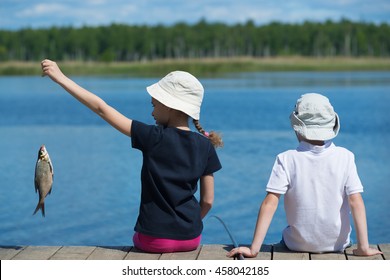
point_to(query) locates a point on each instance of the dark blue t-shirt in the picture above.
(173, 162)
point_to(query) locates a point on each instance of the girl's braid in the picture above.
(213, 136)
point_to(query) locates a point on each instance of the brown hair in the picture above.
(213, 136)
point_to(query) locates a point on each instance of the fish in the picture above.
(43, 179)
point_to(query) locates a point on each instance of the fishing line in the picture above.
(235, 244)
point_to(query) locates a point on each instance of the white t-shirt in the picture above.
(316, 181)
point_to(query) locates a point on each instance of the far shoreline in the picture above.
(202, 67)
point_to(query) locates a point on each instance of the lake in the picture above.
(96, 188)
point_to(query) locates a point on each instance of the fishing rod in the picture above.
(235, 244)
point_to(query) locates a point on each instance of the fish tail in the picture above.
(41, 205)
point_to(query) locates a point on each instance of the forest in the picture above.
(119, 42)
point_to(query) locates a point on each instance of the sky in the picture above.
(18, 14)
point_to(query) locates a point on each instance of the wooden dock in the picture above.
(204, 252)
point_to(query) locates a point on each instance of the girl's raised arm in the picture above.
(92, 101)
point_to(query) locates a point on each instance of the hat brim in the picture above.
(158, 93)
(315, 132)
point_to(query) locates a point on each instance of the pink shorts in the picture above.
(163, 245)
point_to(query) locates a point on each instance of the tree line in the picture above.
(119, 42)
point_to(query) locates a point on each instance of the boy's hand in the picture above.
(366, 252)
(245, 251)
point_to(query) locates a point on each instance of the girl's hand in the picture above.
(51, 69)
(366, 252)
(245, 251)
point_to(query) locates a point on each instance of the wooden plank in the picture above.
(191, 255)
(8, 252)
(385, 248)
(37, 253)
(204, 252)
(109, 253)
(328, 256)
(73, 253)
(136, 254)
(281, 252)
(214, 252)
(265, 253)
(351, 256)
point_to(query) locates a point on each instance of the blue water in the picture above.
(96, 187)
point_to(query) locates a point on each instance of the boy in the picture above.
(321, 186)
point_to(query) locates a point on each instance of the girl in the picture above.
(174, 159)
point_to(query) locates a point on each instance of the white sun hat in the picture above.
(181, 91)
(314, 118)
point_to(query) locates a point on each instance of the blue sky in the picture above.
(16, 14)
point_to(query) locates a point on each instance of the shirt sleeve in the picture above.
(353, 183)
(142, 135)
(278, 181)
(213, 163)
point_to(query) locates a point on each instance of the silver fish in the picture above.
(43, 178)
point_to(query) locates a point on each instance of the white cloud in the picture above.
(96, 2)
(126, 10)
(44, 13)
(43, 9)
